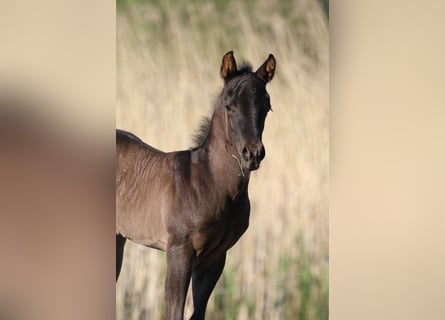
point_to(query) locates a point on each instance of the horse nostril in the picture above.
(247, 154)
(261, 153)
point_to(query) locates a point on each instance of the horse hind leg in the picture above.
(120, 244)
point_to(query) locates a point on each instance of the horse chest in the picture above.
(214, 237)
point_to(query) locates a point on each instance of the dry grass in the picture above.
(169, 55)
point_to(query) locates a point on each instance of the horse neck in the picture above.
(224, 167)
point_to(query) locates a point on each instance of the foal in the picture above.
(194, 204)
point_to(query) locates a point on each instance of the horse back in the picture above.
(125, 139)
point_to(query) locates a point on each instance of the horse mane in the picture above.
(200, 136)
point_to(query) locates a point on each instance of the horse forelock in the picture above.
(245, 67)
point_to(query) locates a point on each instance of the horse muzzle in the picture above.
(252, 155)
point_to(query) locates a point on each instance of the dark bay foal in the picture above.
(194, 204)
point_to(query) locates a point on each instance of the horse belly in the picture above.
(143, 224)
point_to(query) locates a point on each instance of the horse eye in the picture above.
(228, 107)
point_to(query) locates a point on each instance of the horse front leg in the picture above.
(203, 283)
(180, 256)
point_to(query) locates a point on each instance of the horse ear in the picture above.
(267, 69)
(228, 65)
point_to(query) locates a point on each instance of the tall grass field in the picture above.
(168, 59)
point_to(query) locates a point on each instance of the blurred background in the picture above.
(168, 60)
(387, 173)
